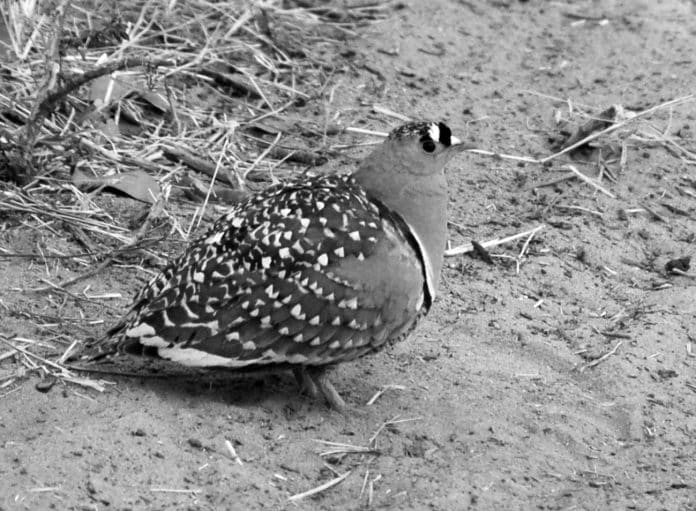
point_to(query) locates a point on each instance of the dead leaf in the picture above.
(109, 89)
(137, 184)
(155, 99)
(130, 92)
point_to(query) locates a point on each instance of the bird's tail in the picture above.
(102, 347)
(113, 343)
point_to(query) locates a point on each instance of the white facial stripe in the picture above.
(455, 141)
(434, 132)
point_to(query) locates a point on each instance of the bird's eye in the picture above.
(428, 146)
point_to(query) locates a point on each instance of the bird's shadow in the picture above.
(274, 389)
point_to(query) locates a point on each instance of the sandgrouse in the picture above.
(310, 273)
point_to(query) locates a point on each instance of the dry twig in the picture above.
(590, 181)
(323, 487)
(465, 249)
(600, 359)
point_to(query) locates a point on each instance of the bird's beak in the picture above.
(459, 146)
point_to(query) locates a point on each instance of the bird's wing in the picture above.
(307, 274)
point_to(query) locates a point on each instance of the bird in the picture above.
(309, 273)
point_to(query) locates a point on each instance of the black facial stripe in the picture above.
(445, 134)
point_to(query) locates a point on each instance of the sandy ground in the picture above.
(500, 407)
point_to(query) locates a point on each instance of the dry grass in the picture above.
(177, 104)
(167, 87)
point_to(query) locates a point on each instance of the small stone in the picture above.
(681, 264)
(194, 442)
(45, 384)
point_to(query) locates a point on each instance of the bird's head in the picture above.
(422, 147)
(410, 157)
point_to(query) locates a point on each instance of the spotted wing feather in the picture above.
(311, 273)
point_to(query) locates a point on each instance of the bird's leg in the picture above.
(304, 380)
(321, 379)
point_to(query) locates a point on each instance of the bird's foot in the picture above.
(320, 380)
(315, 381)
(305, 381)
(329, 392)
